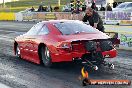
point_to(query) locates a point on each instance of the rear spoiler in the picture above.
(113, 38)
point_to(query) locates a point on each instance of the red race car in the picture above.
(65, 40)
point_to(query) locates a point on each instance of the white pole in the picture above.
(3, 3)
(59, 3)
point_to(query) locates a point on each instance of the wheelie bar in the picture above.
(95, 67)
(110, 65)
(89, 64)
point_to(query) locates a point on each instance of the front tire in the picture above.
(45, 56)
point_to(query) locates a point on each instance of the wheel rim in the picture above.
(47, 54)
(18, 51)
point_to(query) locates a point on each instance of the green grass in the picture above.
(23, 4)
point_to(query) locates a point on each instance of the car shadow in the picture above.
(67, 68)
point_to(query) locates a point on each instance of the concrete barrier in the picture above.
(126, 22)
(42, 16)
(126, 41)
(121, 18)
(109, 17)
(18, 17)
(7, 16)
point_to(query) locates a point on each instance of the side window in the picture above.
(34, 30)
(44, 30)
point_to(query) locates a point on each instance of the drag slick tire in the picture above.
(45, 56)
(18, 54)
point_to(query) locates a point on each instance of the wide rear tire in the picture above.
(45, 56)
(18, 54)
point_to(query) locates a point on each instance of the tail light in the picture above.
(116, 41)
(65, 46)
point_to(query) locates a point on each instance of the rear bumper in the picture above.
(63, 57)
(110, 54)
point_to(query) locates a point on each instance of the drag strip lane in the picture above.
(18, 73)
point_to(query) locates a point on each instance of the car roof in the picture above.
(58, 21)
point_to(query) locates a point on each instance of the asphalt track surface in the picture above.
(18, 73)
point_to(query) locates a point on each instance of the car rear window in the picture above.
(67, 28)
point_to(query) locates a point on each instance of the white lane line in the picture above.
(10, 40)
(2, 36)
(22, 32)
